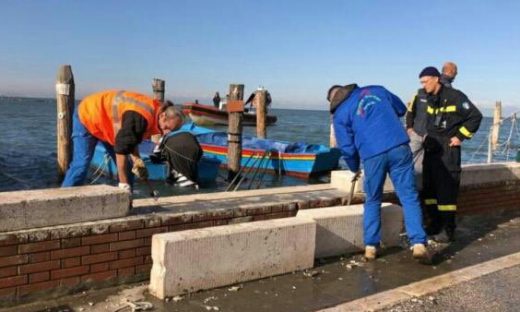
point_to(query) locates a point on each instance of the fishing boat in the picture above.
(102, 163)
(295, 159)
(208, 115)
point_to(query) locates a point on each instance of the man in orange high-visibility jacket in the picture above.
(120, 120)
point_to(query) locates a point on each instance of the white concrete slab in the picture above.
(342, 180)
(47, 207)
(339, 230)
(191, 260)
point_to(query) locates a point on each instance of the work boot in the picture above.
(419, 251)
(370, 253)
(445, 236)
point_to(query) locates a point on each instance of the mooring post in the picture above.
(332, 138)
(65, 108)
(260, 102)
(235, 107)
(158, 89)
(497, 118)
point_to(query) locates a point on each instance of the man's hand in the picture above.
(139, 169)
(410, 131)
(454, 141)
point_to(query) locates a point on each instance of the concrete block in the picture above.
(339, 230)
(48, 207)
(342, 180)
(476, 174)
(192, 260)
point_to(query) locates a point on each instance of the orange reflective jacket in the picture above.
(101, 113)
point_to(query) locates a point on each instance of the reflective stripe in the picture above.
(465, 132)
(430, 110)
(449, 109)
(118, 99)
(430, 201)
(447, 207)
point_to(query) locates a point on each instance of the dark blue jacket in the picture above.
(367, 124)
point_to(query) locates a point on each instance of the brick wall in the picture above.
(54, 261)
(58, 260)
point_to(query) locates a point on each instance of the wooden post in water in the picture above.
(65, 108)
(332, 139)
(497, 118)
(260, 102)
(158, 89)
(235, 107)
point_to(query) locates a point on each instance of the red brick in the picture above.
(150, 231)
(70, 262)
(99, 239)
(8, 271)
(126, 272)
(11, 239)
(126, 235)
(13, 281)
(147, 241)
(99, 267)
(124, 263)
(213, 215)
(99, 277)
(220, 222)
(70, 281)
(39, 267)
(36, 287)
(127, 225)
(103, 257)
(39, 257)
(190, 226)
(147, 260)
(76, 271)
(70, 242)
(39, 277)
(94, 249)
(6, 251)
(13, 260)
(70, 252)
(143, 251)
(126, 244)
(39, 246)
(7, 294)
(126, 254)
(143, 268)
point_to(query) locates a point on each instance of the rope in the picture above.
(100, 169)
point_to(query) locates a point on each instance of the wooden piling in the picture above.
(332, 138)
(260, 102)
(158, 89)
(497, 118)
(65, 108)
(235, 108)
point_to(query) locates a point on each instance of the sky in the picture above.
(295, 49)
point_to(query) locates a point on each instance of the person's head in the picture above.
(337, 94)
(449, 69)
(429, 78)
(170, 118)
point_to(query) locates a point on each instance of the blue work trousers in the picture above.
(399, 164)
(83, 145)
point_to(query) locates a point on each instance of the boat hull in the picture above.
(206, 115)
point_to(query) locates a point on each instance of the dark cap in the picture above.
(429, 71)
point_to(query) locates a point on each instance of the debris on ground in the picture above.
(312, 273)
(235, 288)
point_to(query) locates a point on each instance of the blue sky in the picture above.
(296, 49)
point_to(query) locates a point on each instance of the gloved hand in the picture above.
(125, 187)
(139, 169)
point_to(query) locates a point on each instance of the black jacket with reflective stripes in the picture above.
(416, 116)
(450, 113)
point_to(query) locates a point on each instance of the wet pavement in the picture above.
(496, 292)
(331, 282)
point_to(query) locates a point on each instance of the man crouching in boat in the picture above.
(181, 151)
(120, 120)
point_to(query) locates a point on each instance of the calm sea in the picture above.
(28, 143)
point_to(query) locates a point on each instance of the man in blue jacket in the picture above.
(367, 127)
